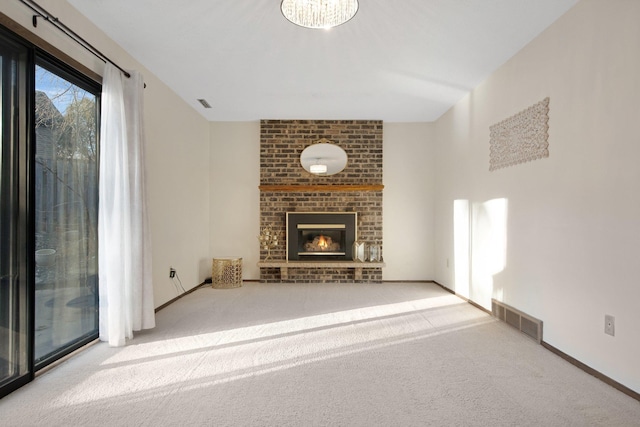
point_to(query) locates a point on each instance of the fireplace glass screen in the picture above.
(320, 240)
(314, 236)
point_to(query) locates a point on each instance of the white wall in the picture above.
(408, 201)
(572, 221)
(177, 153)
(178, 183)
(234, 166)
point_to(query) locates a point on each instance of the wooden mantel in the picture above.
(319, 188)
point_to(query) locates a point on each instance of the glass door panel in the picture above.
(15, 327)
(66, 214)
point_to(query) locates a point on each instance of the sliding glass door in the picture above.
(66, 211)
(15, 302)
(49, 210)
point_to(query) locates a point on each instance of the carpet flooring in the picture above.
(390, 354)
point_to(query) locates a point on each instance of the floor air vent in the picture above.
(523, 322)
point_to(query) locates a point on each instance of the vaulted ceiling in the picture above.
(398, 61)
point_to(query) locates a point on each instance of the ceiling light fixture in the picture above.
(319, 13)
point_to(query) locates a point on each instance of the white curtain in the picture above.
(126, 292)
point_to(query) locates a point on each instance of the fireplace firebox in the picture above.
(321, 236)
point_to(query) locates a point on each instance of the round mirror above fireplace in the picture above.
(323, 158)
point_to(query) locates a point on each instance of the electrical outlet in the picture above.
(609, 325)
(172, 272)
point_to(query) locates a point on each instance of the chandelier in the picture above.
(319, 13)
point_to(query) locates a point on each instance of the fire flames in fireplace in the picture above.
(322, 243)
(321, 239)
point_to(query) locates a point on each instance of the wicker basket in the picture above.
(226, 273)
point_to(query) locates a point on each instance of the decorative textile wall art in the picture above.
(520, 138)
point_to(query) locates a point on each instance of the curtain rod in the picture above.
(42, 13)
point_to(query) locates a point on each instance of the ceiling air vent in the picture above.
(204, 103)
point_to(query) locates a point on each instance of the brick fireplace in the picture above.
(286, 187)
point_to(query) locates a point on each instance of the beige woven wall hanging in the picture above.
(520, 138)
